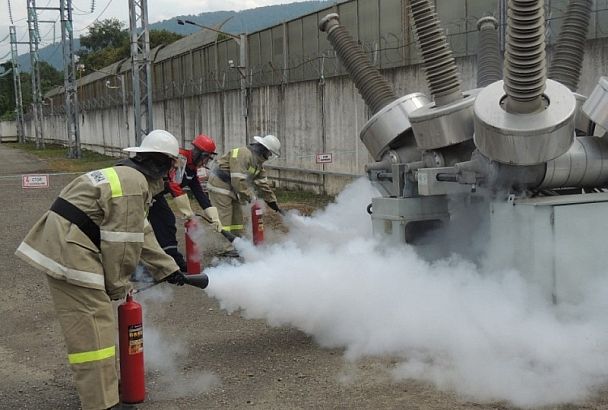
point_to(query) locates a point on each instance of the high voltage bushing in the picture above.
(449, 119)
(534, 122)
(389, 127)
(489, 62)
(570, 47)
(374, 89)
(524, 75)
(569, 52)
(439, 64)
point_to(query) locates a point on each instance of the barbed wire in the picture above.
(307, 69)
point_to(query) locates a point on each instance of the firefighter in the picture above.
(162, 218)
(236, 178)
(88, 244)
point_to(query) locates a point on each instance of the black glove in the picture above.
(275, 207)
(176, 278)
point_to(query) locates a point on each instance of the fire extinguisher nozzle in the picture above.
(200, 280)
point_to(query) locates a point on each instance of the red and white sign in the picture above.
(324, 158)
(34, 181)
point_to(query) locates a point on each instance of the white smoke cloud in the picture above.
(486, 335)
(165, 356)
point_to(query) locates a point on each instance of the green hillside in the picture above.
(247, 21)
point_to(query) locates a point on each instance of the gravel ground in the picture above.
(197, 355)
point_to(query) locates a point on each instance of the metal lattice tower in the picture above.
(141, 68)
(36, 91)
(17, 85)
(69, 79)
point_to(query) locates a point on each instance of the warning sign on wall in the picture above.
(34, 181)
(324, 158)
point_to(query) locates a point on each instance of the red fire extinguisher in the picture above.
(257, 223)
(131, 346)
(193, 257)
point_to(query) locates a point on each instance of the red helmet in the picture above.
(205, 144)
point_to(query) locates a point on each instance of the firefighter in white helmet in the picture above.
(88, 244)
(238, 175)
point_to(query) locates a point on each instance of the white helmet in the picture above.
(271, 143)
(158, 141)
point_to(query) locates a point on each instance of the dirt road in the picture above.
(197, 355)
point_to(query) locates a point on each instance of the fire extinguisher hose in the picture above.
(229, 236)
(200, 281)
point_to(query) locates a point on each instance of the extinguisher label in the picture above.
(136, 339)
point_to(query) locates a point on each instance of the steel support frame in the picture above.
(36, 90)
(17, 85)
(141, 68)
(69, 79)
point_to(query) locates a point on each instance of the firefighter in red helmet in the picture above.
(162, 217)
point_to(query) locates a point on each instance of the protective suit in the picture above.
(162, 217)
(234, 182)
(89, 244)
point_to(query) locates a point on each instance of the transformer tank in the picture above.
(510, 174)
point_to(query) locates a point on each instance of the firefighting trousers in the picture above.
(87, 320)
(162, 219)
(230, 213)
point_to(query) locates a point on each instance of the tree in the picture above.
(108, 42)
(163, 37)
(105, 33)
(49, 78)
(7, 95)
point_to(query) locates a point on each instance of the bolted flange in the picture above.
(390, 127)
(596, 106)
(441, 126)
(524, 139)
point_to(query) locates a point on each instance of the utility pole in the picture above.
(243, 68)
(69, 79)
(17, 85)
(141, 68)
(32, 26)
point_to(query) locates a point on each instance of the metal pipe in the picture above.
(582, 166)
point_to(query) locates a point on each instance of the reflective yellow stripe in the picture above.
(234, 228)
(115, 186)
(92, 356)
(235, 152)
(251, 170)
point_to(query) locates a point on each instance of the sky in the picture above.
(83, 17)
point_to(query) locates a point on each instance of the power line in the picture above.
(96, 18)
(82, 12)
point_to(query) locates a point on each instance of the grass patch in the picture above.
(57, 161)
(303, 198)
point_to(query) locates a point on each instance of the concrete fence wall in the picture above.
(8, 131)
(309, 117)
